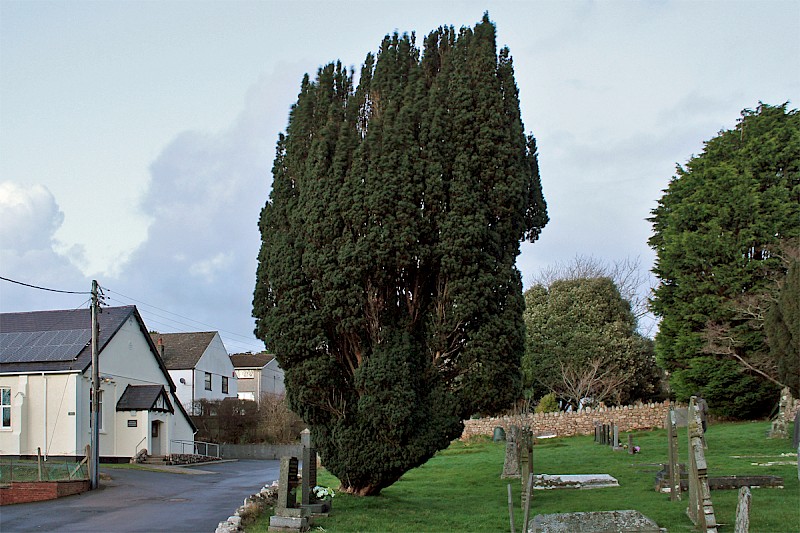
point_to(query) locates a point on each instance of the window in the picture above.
(208, 381)
(5, 406)
(224, 384)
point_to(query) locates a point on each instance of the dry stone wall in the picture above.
(626, 418)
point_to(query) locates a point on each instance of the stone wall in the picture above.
(260, 451)
(626, 418)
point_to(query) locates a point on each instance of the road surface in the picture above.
(144, 501)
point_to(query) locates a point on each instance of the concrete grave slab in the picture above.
(573, 481)
(593, 522)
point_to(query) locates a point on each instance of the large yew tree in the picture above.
(718, 232)
(387, 284)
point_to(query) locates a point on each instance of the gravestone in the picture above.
(288, 516)
(511, 463)
(615, 444)
(630, 444)
(743, 511)
(525, 448)
(593, 522)
(309, 478)
(796, 439)
(700, 510)
(778, 430)
(673, 468)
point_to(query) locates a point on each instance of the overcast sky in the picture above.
(137, 137)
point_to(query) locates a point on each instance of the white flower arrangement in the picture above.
(323, 493)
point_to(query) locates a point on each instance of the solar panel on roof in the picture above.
(35, 346)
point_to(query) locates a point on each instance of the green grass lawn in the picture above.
(460, 488)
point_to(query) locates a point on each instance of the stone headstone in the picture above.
(287, 482)
(511, 463)
(673, 469)
(743, 511)
(288, 516)
(796, 439)
(778, 430)
(309, 479)
(700, 510)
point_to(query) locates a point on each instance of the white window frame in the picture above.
(5, 407)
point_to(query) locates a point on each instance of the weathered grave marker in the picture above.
(796, 439)
(674, 472)
(743, 511)
(778, 430)
(288, 516)
(701, 510)
(511, 463)
(525, 447)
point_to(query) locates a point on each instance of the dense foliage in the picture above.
(782, 326)
(715, 232)
(582, 343)
(387, 284)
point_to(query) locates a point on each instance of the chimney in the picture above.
(161, 347)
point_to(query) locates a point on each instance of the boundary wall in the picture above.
(562, 424)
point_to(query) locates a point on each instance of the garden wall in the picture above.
(626, 418)
(37, 491)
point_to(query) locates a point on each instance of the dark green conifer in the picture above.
(387, 284)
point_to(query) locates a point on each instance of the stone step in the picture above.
(155, 460)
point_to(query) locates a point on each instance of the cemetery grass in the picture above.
(460, 488)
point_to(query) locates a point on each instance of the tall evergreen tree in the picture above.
(387, 284)
(782, 326)
(715, 230)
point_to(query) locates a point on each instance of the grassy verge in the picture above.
(460, 488)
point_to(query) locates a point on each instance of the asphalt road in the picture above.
(144, 501)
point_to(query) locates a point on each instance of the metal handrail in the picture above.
(208, 449)
(137, 446)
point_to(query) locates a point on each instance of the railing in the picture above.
(140, 443)
(194, 447)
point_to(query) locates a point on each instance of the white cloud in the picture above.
(29, 217)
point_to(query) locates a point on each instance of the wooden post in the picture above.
(39, 461)
(529, 497)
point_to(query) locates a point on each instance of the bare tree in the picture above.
(600, 379)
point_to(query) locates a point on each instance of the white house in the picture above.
(45, 384)
(258, 374)
(199, 366)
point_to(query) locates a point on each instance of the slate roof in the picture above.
(251, 360)
(142, 398)
(182, 351)
(56, 340)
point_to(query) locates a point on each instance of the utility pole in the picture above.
(94, 463)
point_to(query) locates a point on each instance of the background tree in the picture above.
(633, 283)
(582, 342)
(387, 284)
(714, 232)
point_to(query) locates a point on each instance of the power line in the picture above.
(248, 342)
(43, 288)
